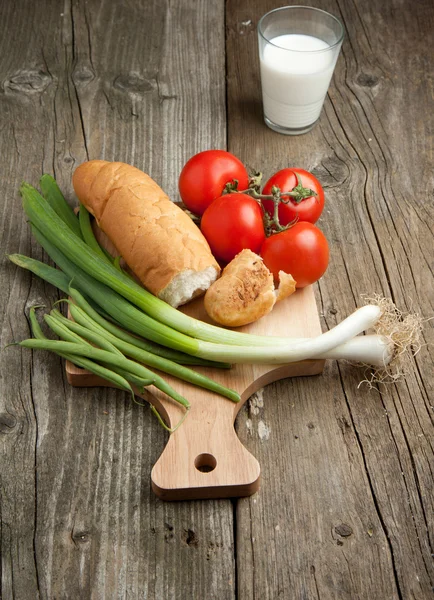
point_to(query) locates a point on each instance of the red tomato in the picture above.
(205, 175)
(231, 223)
(308, 209)
(302, 251)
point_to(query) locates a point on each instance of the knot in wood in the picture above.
(83, 75)
(8, 422)
(29, 81)
(81, 537)
(367, 80)
(331, 171)
(343, 530)
(133, 83)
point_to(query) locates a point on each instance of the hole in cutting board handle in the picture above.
(205, 463)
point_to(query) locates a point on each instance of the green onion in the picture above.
(157, 362)
(82, 362)
(88, 235)
(173, 355)
(139, 382)
(120, 309)
(56, 200)
(367, 349)
(57, 278)
(92, 242)
(115, 375)
(54, 276)
(76, 352)
(45, 272)
(72, 332)
(117, 263)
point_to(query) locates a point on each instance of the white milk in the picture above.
(295, 79)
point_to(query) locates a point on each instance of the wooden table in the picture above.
(346, 507)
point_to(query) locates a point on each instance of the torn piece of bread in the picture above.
(245, 291)
(157, 240)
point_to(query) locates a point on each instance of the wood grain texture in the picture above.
(348, 511)
(78, 517)
(346, 506)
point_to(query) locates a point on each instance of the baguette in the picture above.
(245, 292)
(157, 240)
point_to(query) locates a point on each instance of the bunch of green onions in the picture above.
(106, 294)
(94, 344)
(97, 344)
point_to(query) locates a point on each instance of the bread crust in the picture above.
(155, 237)
(245, 291)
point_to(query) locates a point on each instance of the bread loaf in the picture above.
(245, 292)
(157, 240)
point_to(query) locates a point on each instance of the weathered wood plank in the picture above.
(346, 506)
(26, 93)
(143, 83)
(333, 453)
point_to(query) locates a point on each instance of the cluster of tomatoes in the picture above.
(246, 218)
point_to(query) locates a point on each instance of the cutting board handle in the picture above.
(204, 457)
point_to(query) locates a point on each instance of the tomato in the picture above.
(308, 209)
(205, 175)
(231, 223)
(302, 251)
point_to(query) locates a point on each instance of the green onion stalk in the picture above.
(107, 297)
(119, 369)
(91, 330)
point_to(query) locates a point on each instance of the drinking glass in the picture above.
(298, 50)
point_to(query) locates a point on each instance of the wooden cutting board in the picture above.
(204, 457)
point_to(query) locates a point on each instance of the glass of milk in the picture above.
(298, 50)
